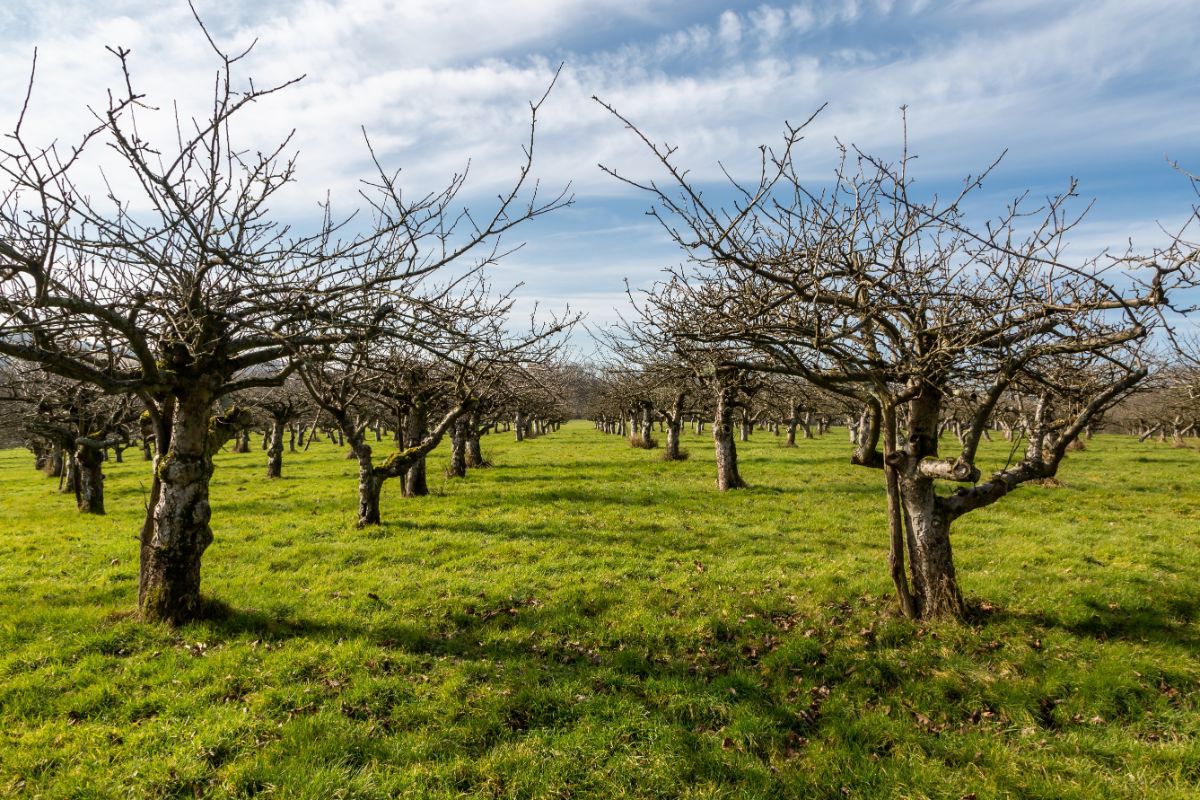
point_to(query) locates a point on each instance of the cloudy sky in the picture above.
(1105, 91)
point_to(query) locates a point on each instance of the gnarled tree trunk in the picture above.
(54, 463)
(417, 426)
(177, 532)
(930, 558)
(370, 486)
(934, 591)
(89, 479)
(474, 454)
(726, 450)
(458, 449)
(275, 450)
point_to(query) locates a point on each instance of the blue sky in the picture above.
(1103, 91)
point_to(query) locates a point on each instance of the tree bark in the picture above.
(369, 488)
(177, 533)
(54, 463)
(89, 479)
(931, 560)
(417, 427)
(647, 425)
(275, 451)
(726, 450)
(458, 449)
(673, 426)
(66, 483)
(474, 454)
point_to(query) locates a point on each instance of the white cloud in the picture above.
(729, 30)
(436, 84)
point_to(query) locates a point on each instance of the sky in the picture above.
(1103, 91)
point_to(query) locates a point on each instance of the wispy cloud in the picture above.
(1098, 89)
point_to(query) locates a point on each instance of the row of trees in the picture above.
(73, 429)
(168, 286)
(165, 296)
(917, 315)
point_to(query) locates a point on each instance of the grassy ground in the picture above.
(584, 620)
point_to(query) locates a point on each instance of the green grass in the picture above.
(585, 620)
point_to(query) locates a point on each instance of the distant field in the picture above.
(585, 620)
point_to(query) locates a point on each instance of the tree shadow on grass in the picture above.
(1163, 620)
(702, 683)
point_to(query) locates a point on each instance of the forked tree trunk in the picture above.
(177, 532)
(934, 590)
(89, 479)
(241, 443)
(726, 450)
(275, 450)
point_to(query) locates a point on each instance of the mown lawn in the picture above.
(585, 620)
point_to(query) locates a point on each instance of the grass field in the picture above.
(585, 620)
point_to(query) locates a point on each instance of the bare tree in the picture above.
(200, 293)
(898, 304)
(70, 421)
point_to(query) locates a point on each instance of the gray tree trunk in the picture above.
(458, 449)
(726, 450)
(930, 558)
(89, 479)
(66, 483)
(935, 589)
(177, 532)
(647, 425)
(417, 426)
(474, 451)
(370, 487)
(275, 451)
(673, 427)
(54, 463)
